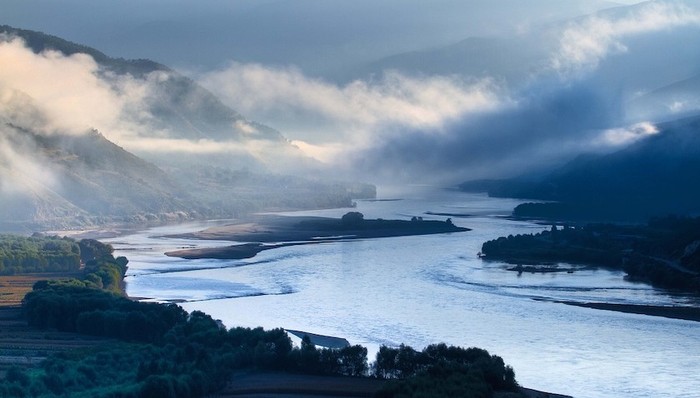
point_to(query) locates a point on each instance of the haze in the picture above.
(381, 91)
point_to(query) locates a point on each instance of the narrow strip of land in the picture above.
(674, 312)
(271, 232)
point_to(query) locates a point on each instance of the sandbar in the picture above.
(267, 232)
(675, 312)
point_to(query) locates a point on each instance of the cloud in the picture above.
(21, 171)
(437, 128)
(584, 44)
(626, 135)
(321, 116)
(543, 125)
(154, 116)
(69, 91)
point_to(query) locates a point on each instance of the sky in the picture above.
(520, 87)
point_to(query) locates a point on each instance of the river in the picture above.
(420, 290)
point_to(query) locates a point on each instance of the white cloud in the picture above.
(177, 145)
(319, 115)
(626, 135)
(326, 153)
(584, 44)
(20, 167)
(67, 90)
(684, 105)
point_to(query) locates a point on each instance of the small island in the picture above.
(664, 253)
(267, 232)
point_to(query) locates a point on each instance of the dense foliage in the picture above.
(101, 269)
(72, 307)
(166, 352)
(443, 371)
(665, 252)
(89, 260)
(19, 254)
(169, 353)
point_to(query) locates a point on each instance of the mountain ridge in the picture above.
(650, 178)
(53, 178)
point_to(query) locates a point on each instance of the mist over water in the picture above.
(399, 91)
(427, 289)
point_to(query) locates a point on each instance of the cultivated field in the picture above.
(21, 345)
(14, 287)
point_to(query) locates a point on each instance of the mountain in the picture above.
(60, 181)
(54, 175)
(680, 98)
(512, 59)
(179, 108)
(653, 177)
(660, 57)
(322, 38)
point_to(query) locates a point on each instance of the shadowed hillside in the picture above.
(652, 177)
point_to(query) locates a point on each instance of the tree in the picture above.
(353, 360)
(352, 218)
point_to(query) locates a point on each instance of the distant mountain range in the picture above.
(519, 58)
(512, 59)
(59, 180)
(680, 98)
(656, 176)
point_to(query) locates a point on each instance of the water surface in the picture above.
(420, 290)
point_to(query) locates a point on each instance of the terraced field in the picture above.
(21, 345)
(14, 287)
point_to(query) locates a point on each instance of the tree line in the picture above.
(89, 260)
(19, 254)
(160, 350)
(163, 351)
(665, 252)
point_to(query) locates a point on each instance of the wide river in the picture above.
(426, 289)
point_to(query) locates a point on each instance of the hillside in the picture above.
(168, 149)
(680, 97)
(176, 107)
(474, 57)
(88, 180)
(653, 177)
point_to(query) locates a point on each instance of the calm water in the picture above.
(427, 289)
